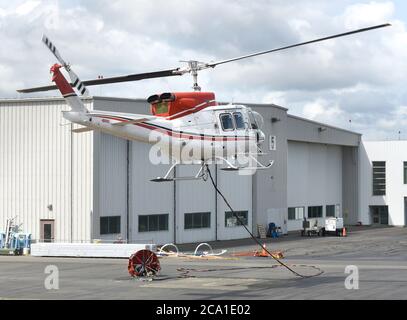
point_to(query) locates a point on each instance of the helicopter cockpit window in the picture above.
(227, 122)
(253, 121)
(239, 121)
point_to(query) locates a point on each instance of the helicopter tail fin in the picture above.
(67, 90)
(63, 85)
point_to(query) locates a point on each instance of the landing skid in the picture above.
(232, 167)
(161, 180)
(202, 173)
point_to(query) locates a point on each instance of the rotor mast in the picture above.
(193, 67)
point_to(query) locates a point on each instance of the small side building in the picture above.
(383, 183)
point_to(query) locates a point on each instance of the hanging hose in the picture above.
(251, 234)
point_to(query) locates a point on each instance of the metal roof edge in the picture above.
(322, 124)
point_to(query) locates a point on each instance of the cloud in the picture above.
(362, 14)
(27, 7)
(321, 109)
(360, 77)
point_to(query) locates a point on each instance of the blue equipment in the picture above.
(274, 231)
(2, 240)
(21, 241)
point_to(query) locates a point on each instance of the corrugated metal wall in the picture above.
(36, 166)
(149, 198)
(350, 184)
(84, 178)
(110, 182)
(191, 197)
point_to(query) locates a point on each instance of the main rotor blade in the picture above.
(131, 77)
(214, 64)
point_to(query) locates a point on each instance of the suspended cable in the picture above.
(251, 234)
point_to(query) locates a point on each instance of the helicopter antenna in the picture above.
(193, 67)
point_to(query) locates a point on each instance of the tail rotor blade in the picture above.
(76, 82)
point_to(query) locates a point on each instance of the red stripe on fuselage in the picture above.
(179, 135)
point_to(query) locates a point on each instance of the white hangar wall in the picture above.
(394, 153)
(42, 164)
(90, 177)
(269, 188)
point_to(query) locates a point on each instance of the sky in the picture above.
(356, 82)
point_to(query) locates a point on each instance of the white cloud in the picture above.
(360, 77)
(360, 15)
(321, 110)
(275, 97)
(401, 111)
(27, 7)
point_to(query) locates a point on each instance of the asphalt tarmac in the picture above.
(379, 254)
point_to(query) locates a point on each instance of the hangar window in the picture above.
(296, 213)
(227, 122)
(315, 212)
(239, 120)
(379, 178)
(330, 211)
(405, 172)
(232, 221)
(155, 222)
(197, 220)
(110, 225)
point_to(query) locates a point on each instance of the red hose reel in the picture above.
(144, 263)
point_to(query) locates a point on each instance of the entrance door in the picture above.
(380, 214)
(47, 230)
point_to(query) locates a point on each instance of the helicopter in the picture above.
(184, 127)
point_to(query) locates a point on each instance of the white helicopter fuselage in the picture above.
(214, 132)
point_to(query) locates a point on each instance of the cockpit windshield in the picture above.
(256, 120)
(239, 120)
(253, 121)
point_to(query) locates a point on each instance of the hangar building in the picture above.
(69, 187)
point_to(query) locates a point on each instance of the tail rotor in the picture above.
(76, 82)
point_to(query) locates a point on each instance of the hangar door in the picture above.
(195, 202)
